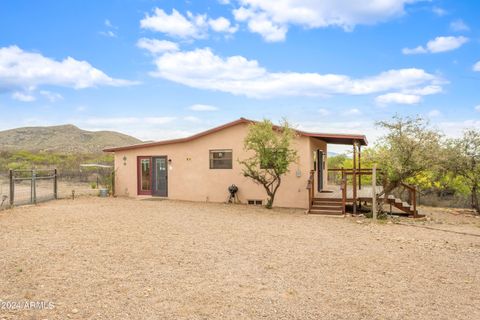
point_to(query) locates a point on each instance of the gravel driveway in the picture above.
(120, 258)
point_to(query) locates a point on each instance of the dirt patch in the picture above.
(121, 258)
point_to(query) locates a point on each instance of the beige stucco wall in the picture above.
(190, 178)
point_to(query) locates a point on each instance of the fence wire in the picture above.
(4, 190)
(35, 186)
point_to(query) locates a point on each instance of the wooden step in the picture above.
(326, 212)
(328, 199)
(327, 203)
(326, 207)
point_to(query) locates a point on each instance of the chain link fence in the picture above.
(21, 187)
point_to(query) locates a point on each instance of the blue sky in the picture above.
(164, 69)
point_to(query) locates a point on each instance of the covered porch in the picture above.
(332, 189)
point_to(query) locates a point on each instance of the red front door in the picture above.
(144, 175)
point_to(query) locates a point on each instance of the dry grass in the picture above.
(128, 259)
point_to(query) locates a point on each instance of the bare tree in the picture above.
(408, 148)
(462, 158)
(272, 155)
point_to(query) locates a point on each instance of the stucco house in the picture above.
(202, 167)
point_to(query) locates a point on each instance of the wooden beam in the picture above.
(374, 192)
(359, 167)
(354, 178)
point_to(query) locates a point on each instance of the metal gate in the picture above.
(32, 186)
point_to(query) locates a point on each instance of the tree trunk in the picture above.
(386, 191)
(271, 196)
(475, 202)
(269, 204)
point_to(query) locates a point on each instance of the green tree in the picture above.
(462, 158)
(408, 149)
(271, 155)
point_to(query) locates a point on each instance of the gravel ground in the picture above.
(119, 258)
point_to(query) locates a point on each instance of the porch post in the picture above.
(359, 167)
(374, 192)
(354, 177)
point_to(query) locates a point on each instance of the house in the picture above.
(202, 167)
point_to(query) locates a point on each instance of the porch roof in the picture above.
(333, 138)
(347, 139)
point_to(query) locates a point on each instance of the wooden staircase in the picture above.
(326, 206)
(402, 205)
(337, 205)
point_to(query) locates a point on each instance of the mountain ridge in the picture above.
(65, 138)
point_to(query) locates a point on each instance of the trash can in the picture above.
(103, 193)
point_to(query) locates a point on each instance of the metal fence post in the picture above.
(12, 188)
(55, 186)
(34, 187)
(113, 183)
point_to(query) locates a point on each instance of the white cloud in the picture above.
(398, 98)
(157, 46)
(190, 26)
(51, 96)
(439, 44)
(424, 91)
(202, 69)
(477, 108)
(158, 120)
(416, 50)
(439, 11)
(352, 112)
(202, 107)
(260, 23)
(476, 66)
(112, 121)
(192, 119)
(128, 121)
(458, 25)
(222, 24)
(108, 33)
(271, 19)
(24, 97)
(456, 128)
(323, 112)
(109, 24)
(408, 96)
(22, 70)
(434, 113)
(174, 24)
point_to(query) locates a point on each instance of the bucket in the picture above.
(103, 193)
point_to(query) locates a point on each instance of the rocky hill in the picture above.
(62, 139)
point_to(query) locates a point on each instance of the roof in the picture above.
(334, 138)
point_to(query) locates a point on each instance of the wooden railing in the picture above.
(311, 189)
(344, 193)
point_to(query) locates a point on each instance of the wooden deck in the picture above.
(335, 192)
(334, 198)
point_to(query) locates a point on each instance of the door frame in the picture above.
(139, 176)
(141, 192)
(153, 177)
(320, 169)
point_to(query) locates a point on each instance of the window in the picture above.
(221, 159)
(255, 202)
